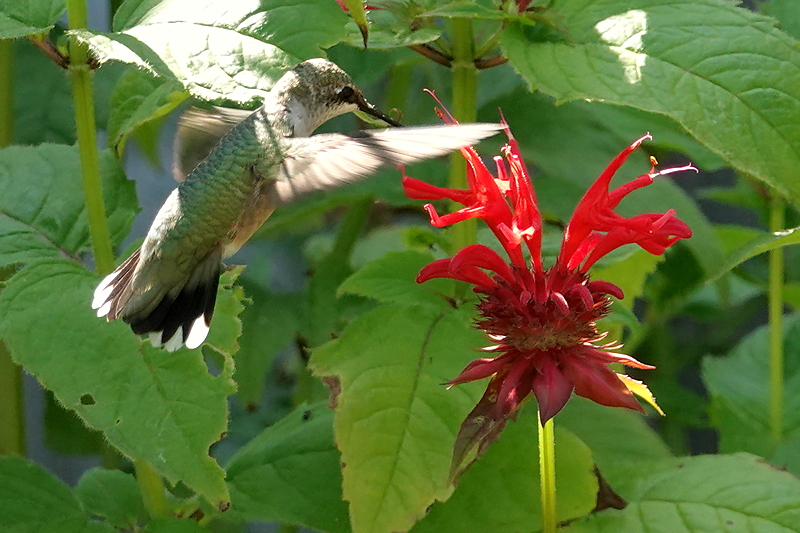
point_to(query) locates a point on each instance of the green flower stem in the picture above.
(6, 92)
(776, 357)
(351, 227)
(464, 109)
(547, 475)
(83, 97)
(152, 489)
(12, 414)
(12, 420)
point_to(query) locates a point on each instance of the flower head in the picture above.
(542, 322)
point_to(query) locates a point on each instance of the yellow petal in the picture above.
(641, 390)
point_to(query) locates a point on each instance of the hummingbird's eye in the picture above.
(347, 94)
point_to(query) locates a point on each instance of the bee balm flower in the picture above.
(542, 322)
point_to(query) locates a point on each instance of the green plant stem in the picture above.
(12, 414)
(351, 227)
(776, 356)
(547, 475)
(464, 109)
(152, 488)
(83, 97)
(6, 92)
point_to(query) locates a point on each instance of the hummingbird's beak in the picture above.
(370, 109)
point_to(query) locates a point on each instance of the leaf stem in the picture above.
(351, 226)
(465, 91)
(82, 94)
(776, 356)
(152, 488)
(547, 475)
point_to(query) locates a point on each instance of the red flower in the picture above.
(542, 321)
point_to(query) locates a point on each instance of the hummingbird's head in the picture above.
(317, 90)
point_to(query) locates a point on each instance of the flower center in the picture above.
(525, 323)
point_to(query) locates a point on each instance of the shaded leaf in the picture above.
(392, 278)
(617, 437)
(500, 492)
(32, 501)
(152, 405)
(762, 242)
(138, 98)
(269, 477)
(395, 423)
(740, 398)
(42, 206)
(18, 19)
(112, 495)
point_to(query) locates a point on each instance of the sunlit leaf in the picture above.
(724, 73)
(395, 423)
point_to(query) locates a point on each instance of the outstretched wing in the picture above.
(324, 162)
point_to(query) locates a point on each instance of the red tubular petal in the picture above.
(508, 397)
(599, 384)
(477, 255)
(479, 369)
(605, 357)
(420, 190)
(551, 388)
(561, 302)
(605, 287)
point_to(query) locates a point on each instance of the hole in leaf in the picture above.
(87, 399)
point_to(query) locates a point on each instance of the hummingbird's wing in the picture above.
(326, 161)
(198, 132)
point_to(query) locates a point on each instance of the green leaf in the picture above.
(629, 274)
(300, 28)
(42, 207)
(18, 19)
(269, 477)
(112, 495)
(392, 279)
(785, 11)
(152, 405)
(724, 73)
(65, 432)
(138, 98)
(762, 243)
(738, 385)
(33, 501)
(213, 64)
(617, 437)
(174, 525)
(269, 324)
(467, 10)
(500, 492)
(395, 423)
(736, 493)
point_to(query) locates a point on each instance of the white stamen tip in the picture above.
(197, 333)
(175, 342)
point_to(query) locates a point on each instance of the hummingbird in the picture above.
(167, 288)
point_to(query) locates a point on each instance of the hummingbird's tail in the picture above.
(172, 313)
